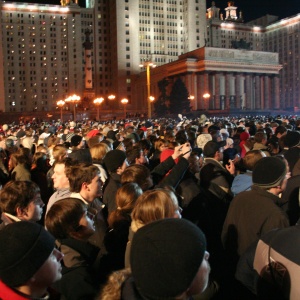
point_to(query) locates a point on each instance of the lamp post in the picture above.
(61, 103)
(98, 102)
(124, 102)
(148, 64)
(111, 98)
(73, 99)
(191, 98)
(206, 97)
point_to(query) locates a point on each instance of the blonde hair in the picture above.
(59, 152)
(160, 142)
(154, 205)
(99, 151)
(113, 287)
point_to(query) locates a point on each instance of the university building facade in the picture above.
(241, 65)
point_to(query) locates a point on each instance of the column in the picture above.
(276, 92)
(257, 92)
(267, 92)
(232, 94)
(206, 90)
(248, 92)
(217, 91)
(227, 90)
(238, 91)
(222, 92)
(262, 95)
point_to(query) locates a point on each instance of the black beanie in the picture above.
(76, 140)
(269, 172)
(114, 159)
(25, 246)
(165, 257)
(291, 139)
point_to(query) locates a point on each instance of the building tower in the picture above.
(89, 91)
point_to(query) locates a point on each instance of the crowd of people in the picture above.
(203, 208)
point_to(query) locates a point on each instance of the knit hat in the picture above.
(76, 140)
(69, 136)
(244, 136)
(212, 147)
(25, 246)
(117, 144)
(165, 257)
(114, 159)
(269, 172)
(292, 138)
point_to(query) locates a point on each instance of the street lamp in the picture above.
(191, 98)
(73, 99)
(111, 98)
(206, 97)
(148, 64)
(61, 103)
(98, 102)
(124, 102)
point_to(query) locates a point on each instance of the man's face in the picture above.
(50, 271)
(59, 177)
(95, 188)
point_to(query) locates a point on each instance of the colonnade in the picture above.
(232, 90)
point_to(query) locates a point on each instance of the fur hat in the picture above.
(114, 159)
(25, 246)
(165, 257)
(212, 147)
(76, 140)
(269, 172)
(202, 139)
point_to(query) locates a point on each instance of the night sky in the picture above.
(251, 9)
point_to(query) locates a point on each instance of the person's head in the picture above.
(59, 177)
(280, 130)
(269, 173)
(214, 150)
(29, 261)
(70, 218)
(154, 205)
(98, 151)
(139, 174)
(125, 200)
(251, 158)
(96, 139)
(85, 179)
(77, 141)
(40, 161)
(195, 162)
(23, 156)
(181, 137)
(115, 161)
(59, 152)
(160, 145)
(135, 155)
(42, 148)
(260, 137)
(292, 139)
(119, 145)
(22, 199)
(169, 260)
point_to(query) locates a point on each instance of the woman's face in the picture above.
(86, 225)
